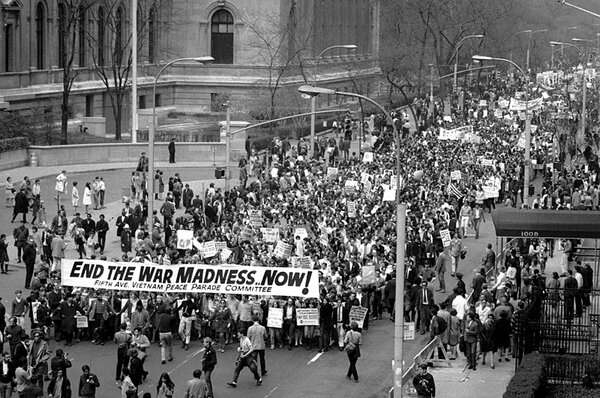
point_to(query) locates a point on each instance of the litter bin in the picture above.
(33, 160)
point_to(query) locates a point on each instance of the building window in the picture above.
(142, 102)
(81, 43)
(62, 25)
(157, 100)
(221, 37)
(9, 47)
(101, 33)
(119, 34)
(40, 36)
(152, 34)
(89, 105)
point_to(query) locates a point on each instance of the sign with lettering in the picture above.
(307, 316)
(351, 209)
(275, 318)
(358, 315)
(301, 262)
(332, 172)
(270, 235)
(446, 239)
(256, 218)
(283, 250)
(192, 278)
(368, 157)
(184, 239)
(210, 249)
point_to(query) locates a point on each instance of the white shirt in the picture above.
(460, 305)
(579, 278)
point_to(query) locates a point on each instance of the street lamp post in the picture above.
(151, 133)
(531, 33)
(400, 236)
(579, 8)
(562, 46)
(313, 100)
(456, 55)
(584, 88)
(527, 123)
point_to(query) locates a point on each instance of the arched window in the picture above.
(118, 34)
(81, 27)
(152, 35)
(221, 37)
(62, 25)
(40, 36)
(101, 32)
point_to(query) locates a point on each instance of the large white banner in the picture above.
(520, 105)
(193, 278)
(464, 133)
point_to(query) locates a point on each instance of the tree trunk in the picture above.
(64, 118)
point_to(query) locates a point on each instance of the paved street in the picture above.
(298, 373)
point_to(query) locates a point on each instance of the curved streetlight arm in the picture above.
(579, 8)
(150, 177)
(347, 46)
(455, 56)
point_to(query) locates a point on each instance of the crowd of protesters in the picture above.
(294, 191)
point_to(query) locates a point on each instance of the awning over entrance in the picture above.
(546, 223)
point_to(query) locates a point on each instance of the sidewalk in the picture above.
(484, 382)
(19, 173)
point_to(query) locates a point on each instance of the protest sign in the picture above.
(389, 195)
(487, 162)
(368, 157)
(358, 315)
(225, 253)
(520, 105)
(446, 239)
(184, 239)
(274, 172)
(256, 219)
(283, 250)
(332, 172)
(301, 232)
(455, 175)
(221, 245)
(498, 113)
(483, 103)
(351, 186)
(270, 235)
(324, 240)
(364, 177)
(247, 234)
(409, 330)
(193, 278)
(82, 321)
(351, 209)
(368, 275)
(301, 262)
(210, 249)
(454, 134)
(275, 318)
(307, 316)
(368, 187)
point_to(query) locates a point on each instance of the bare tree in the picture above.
(278, 45)
(70, 14)
(112, 43)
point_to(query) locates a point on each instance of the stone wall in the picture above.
(12, 159)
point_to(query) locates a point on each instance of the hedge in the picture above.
(13, 144)
(529, 381)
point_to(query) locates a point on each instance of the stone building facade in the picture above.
(258, 45)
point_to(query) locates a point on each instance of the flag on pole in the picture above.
(453, 189)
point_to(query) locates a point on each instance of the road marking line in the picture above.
(186, 360)
(314, 359)
(272, 391)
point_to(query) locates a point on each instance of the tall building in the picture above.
(262, 50)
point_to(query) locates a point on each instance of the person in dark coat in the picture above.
(60, 382)
(390, 295)
(172, 151)
(136, 368)
(326, 324)
(29, 255)
(21, 205)
(501, 336)
(69, 310)
(20, 234)
(187, 196)
(3, 255)
(126, 239)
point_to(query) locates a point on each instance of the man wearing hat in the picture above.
(38, 357)
(126, 239)
(209, 361)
